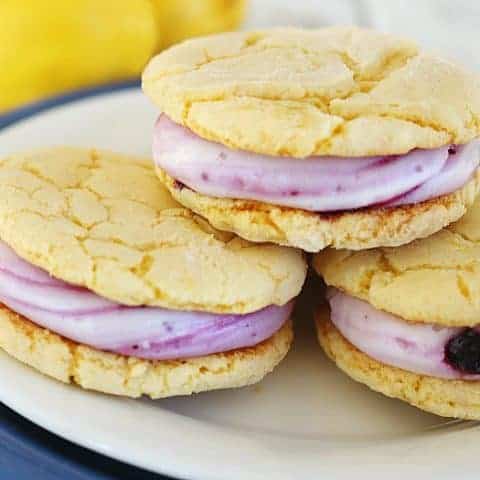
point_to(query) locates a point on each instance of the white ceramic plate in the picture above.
(305, 421)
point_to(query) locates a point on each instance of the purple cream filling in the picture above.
(320, 184)
(415, 347)
(145, 332)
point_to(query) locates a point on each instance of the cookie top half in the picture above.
(104, 221)
(334, 91)
(434, 280)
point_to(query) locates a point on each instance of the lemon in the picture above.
(180, 19)
(49, 46)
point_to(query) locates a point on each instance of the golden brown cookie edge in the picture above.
(446, 398)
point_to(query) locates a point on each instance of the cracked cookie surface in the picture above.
(92, 369)
(104, 221)
(433, 280)
(334, 91)
(448, 398)
(311, 231)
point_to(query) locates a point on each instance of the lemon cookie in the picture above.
(107, 282)
(338, 136)
(102, 221)
(405, 321)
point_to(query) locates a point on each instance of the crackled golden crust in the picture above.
(104, 221)
(311, 231)
(434, 280)
(70, 362)
(448, 398)
(333, 91)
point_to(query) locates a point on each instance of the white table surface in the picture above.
(451, 27)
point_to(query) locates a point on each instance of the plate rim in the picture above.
(24, 112)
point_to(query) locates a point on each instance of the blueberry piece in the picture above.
(178, 185)
(452, 150)
(462, 352)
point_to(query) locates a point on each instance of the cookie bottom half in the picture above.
(447, 398)
(92, 369)
(311, 231)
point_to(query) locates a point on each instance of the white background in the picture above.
(449, 27)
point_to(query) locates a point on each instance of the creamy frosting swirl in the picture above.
(316, 183)
(418, 348)
(145, 332)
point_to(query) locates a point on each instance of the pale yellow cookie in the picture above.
(448, 398)
(70, 362)
(434, 280)
(104, 221)
(333, 91)
(356, 230)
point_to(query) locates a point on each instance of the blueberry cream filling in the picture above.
(426, 349)
(320, 184)
(145, 332)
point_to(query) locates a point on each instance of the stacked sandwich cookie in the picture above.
(338, 137)
(107, 282)
(406, 321)
(346, 142)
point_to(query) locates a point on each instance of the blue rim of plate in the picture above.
(26, 450)
(14, 116)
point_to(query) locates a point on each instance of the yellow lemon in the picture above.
(180, 19)
(49, 46)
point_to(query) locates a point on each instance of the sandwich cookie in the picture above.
(406, 321)
(108, 283)
(338, 136)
